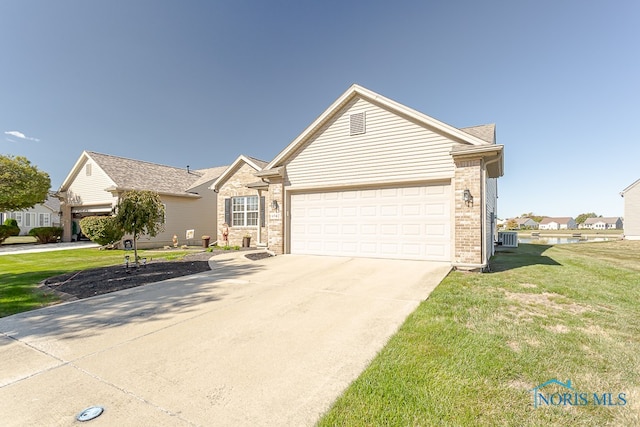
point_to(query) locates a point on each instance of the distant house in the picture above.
(603, 223)
(45, 214)
(97, 181)
(526, 222)
(631, 196)
(558, 223)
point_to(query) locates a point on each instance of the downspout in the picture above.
(485, 255)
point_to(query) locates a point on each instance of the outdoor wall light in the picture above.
(467, 197)
(274, 205)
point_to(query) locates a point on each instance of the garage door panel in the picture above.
(404, 222)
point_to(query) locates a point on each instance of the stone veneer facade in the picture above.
(276, 216)
(468, 217)
(236, 186)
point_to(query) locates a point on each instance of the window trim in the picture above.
(245, 211)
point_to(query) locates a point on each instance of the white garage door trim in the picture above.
(409, 222)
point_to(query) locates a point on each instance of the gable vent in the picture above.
(357, 123)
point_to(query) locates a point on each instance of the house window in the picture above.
(18, 217)
(244, 211)
(44, 220)
(29, 219)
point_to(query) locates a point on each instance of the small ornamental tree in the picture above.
(22, 185)
(104, 230)
(512, 224)
(140, 212)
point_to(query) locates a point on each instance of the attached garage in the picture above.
(409, 222)
(373, 178)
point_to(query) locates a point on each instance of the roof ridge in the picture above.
(139, 161)
(255, 158)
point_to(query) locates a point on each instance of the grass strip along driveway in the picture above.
(21, 273)
(473, 353)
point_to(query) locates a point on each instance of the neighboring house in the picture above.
(241, 202)
(97, 181)
(371, 177)
(603, 223)
(631, 196)
(45, 214)
(559, 223)
(526, 223)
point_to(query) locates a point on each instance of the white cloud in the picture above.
(20, 135)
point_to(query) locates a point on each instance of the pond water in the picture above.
(560, 240)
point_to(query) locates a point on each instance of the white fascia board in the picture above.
(630, 187)
(76, 169)
(231, 169)
(356, 90)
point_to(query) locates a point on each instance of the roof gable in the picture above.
(457, 135)
(77, 167)
(256, 164)
(558, 220)
(606, 220)
(129, 174)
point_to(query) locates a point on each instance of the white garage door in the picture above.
(402, 223)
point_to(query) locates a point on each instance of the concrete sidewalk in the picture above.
(28, 248)
(264, 343)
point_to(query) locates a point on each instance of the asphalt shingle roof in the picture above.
(607, 220)
(559, 220)
(132, 174)
(484, 132)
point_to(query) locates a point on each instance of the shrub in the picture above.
(13, 226)
(5, 231)
(103, 230)
(46, 234)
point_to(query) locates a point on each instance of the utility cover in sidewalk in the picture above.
(90, 413)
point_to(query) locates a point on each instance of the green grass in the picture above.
(472, 352)
(21, 273)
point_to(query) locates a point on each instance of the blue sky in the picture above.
(199, 82)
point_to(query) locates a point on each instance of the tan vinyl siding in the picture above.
(182, 214)
(392, 149)
(632, 213)
(89, 190)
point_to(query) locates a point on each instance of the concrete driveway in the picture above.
(271, 342)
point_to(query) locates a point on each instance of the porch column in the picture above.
(277, 213)
(65, 220)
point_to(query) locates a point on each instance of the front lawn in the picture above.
(21, 273)
(472, 353)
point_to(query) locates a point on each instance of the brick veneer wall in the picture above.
(235, 186)
(275, 218)
(468, 219)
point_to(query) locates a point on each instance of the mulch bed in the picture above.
(103, 280)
